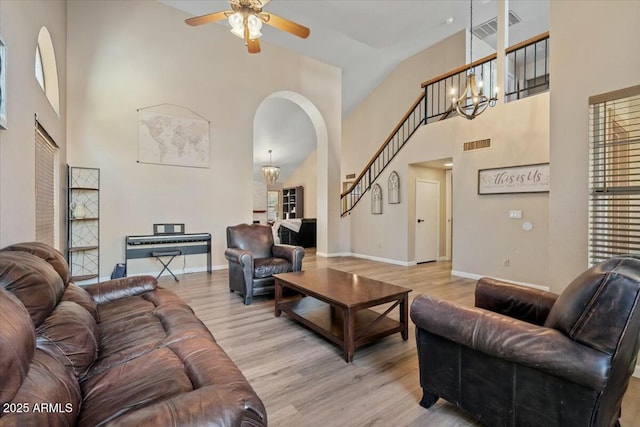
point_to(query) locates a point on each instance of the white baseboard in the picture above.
(369, 257)
(636, 373)
(332, 255)
(386, 260)
(480, 276)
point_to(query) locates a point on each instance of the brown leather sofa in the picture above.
(524, 357)
(124, 352)
(254, 259)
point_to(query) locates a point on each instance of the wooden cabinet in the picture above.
(83, 223)
(292, 203)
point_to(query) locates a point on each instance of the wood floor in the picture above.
(303, 379)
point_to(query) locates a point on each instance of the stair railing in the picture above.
(406, 127)
(438, 91)
(435, 103)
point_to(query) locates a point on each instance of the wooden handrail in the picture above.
(412, 110)
(459, 70)
(532, 40)
(384, 144)
(487, 58)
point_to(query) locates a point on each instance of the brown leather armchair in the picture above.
(254, 259)
(524, 357)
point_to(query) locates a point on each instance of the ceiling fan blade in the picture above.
(253, 46)
(285, 25)
(211, 17)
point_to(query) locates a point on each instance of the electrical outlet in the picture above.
(515, 214)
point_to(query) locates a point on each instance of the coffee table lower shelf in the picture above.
(328, 321)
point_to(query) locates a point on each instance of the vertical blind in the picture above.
(45, 187)
(614, 174)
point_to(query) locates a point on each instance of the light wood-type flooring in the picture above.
(303, 379)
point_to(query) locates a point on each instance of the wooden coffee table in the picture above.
(335, 305)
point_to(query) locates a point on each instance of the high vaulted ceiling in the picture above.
(366, 39)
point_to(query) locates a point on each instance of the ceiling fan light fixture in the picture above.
(255, 25)
(236, 21)
(246, 19)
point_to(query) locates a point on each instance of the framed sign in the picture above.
(514, 179)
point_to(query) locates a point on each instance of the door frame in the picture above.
(415, 249)
(448, 216)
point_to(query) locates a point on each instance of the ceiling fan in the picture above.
(246, 18)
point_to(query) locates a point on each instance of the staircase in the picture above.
(407, 126)
(434, 103)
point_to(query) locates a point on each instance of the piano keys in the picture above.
(145, 246)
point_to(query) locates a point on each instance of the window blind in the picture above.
(614, 174)
(45, 187)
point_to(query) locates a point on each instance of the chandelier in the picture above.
(270, 172)
(472, 101)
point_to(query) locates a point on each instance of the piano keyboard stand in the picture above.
(165, 266)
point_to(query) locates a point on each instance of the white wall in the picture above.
(20, 23)
(367, 127)
(610, 30)
(483, 236)
(128, 55)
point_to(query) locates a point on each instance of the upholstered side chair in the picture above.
(524, 357)
(254, 259)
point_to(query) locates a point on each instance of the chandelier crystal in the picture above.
(270, 172)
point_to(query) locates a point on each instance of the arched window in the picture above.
(39, 71)
(46, 69)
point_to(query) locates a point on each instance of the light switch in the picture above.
(515, 214)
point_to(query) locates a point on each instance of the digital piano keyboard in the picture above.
(149, 246)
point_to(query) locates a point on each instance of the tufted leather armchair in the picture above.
(254, 259)
(524, 357)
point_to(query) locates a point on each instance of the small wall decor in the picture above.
(376, 199)
(3, 84)
(394, 188)
(173, 135)
(514, 179)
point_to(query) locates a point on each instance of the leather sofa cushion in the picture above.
(17, 344)
(48, 382)
(75, 293)
(138, 325)
(70, 333)
(33, 281)
(139, 382)
(266, 267)
(51, 255)
(113, 290)
(583, 310)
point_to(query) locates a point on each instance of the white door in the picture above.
(427, 220)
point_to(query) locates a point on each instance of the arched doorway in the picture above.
(313, 116)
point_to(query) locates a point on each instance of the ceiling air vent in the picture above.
(476, 145)
(490, 27)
